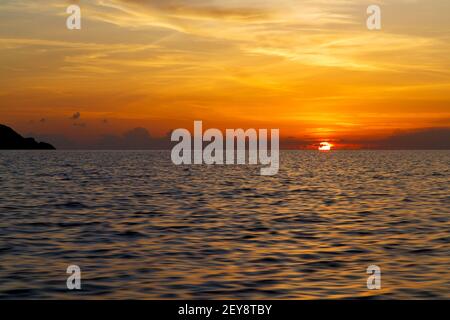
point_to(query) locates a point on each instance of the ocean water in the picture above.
(142, 228)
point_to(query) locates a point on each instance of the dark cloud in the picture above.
(75, 116)
(42, 120)
(135, 139)
(431, 138)
(424, 138)
(140, 139)
(58, 141)
(292, 143)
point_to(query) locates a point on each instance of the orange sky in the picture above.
(309, 68)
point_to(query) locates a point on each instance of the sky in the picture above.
(309, 68)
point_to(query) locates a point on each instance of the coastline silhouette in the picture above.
(11, 140)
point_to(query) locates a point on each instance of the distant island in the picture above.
(11, 140)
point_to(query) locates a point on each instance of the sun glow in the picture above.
(325, 146)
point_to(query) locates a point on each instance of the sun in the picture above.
(325, 146)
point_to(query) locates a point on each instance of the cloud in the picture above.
(201, 9)
(174, 14)
(57, 140)
(140, 139)
(75, 116)
(420, 139)
(211, 17)
(429, 138)
(134, 139)
(294, 143)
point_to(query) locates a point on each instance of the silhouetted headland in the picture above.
(11, 140)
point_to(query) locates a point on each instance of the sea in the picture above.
(139, 227)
